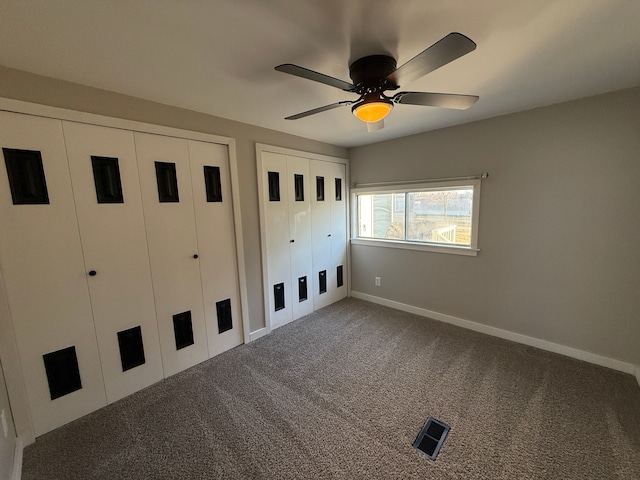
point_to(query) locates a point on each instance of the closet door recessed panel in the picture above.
(278, 239)
(103, 166)
(321, 231)
(337, 279)
(300, 231)
(173, 249)
(46, 281)
(217, 242)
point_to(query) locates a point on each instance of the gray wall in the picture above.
(559, 224)
(24, 86)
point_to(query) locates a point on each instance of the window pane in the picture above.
(440, 216)
(381, 216)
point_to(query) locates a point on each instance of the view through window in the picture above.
(441, 216)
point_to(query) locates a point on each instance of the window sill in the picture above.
(455, 250)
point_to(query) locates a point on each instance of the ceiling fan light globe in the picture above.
(371, 112)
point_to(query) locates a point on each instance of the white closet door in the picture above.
(217, 245)
(45, 277)
(299, 191)
(275, 197)
(107, 195)
(321, 231)
(165, 180)
(338, 279)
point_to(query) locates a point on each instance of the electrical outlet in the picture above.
(377, 281)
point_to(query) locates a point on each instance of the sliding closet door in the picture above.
(299, 192)
(109, 206)
(275, 198)
(321, 231)
(217, 244)
(165, 180)
(44, 273)
(337, 200)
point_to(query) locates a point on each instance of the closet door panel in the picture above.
(321, 231)
(109, 206)
(276, 210)
(46, 282)
(217, 244)
(299, 191)
(165, 180)
(338, 232)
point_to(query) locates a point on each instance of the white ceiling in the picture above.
(217, 56)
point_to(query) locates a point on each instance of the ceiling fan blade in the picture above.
(446, 50)
(315, 76)
(444, 100)
(319, 109)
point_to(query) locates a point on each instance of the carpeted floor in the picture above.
(343, 393)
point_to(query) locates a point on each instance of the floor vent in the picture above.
(431, 437)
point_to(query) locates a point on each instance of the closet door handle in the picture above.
(92, 273)
(195, 255)
(329, 235)
(292, 241)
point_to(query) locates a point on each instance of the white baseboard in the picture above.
(17, 461)
(507, 335)
(257, 334)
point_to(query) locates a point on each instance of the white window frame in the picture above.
(471, 250)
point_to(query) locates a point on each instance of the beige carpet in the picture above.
(343, 393)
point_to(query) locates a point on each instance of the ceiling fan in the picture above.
(375, 74)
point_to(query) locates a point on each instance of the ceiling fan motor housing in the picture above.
(369, 73)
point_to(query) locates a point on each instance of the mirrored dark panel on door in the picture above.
(223, 309)
(63, 373)
(274, 186)
(183, 329)
(278, 294)
(212, 183)
(26, 177)
(302, 289)
(167, 182)
(298, 183)
(106, 176)
(131, 348)
(320, 189)
(322, 281)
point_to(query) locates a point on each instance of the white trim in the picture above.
(262, 147)
(406, 187)
(17, 461)
(18, 106)
(507, 335)
(347, 198)
(237, 221)
(400, 183)
(263, 238)
(377, 242)
(13, 377)
(258, 333)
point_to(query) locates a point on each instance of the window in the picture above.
(437, 216)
